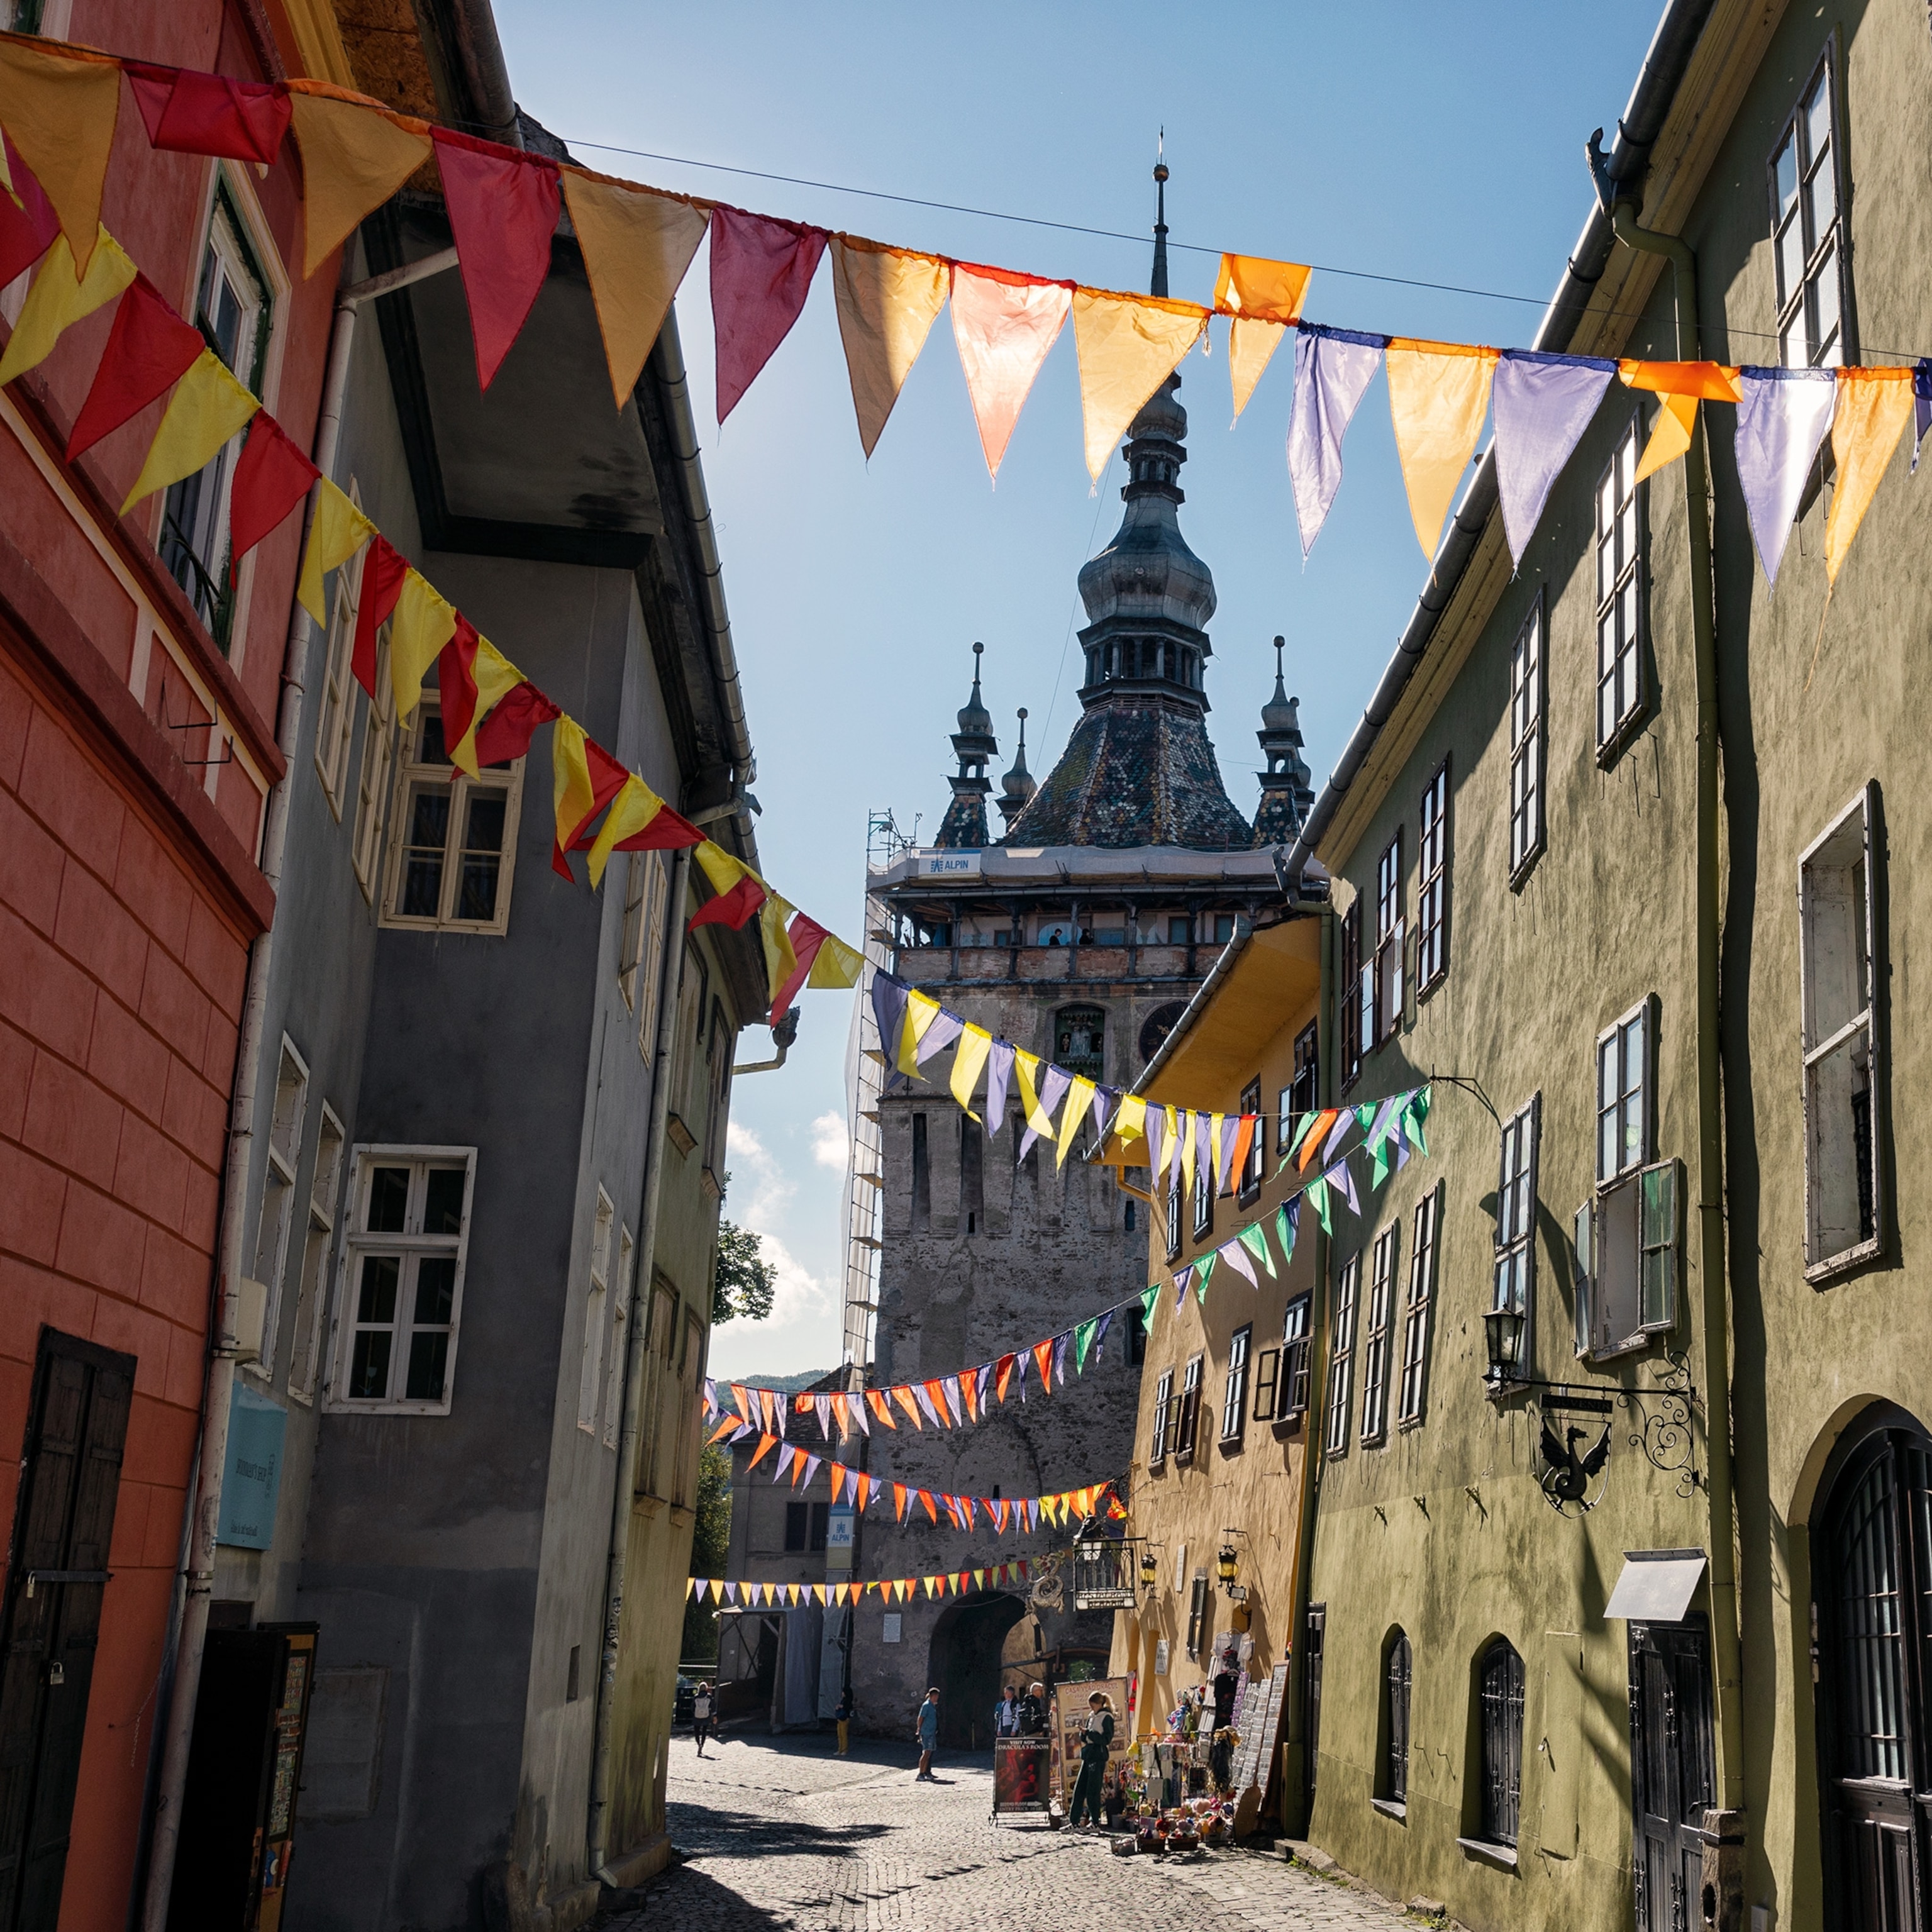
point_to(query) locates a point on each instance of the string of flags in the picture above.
(940, 1583)
(59, 104)
(1390, 1131)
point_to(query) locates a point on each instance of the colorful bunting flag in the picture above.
(584, 778)
(1003, 324)
(1127, 346)
(1439, 395)
(353, 160)
(149, 349)
(1079, 1097)
(1333, 367)
(189, 113)
(1543, 404)
(208, 409)
(976, 1044)
(1262, 298)
(502, 208)
(337, 531)
(27, 222)
(738, 891)
(1873, 406)
(424, 621)
(761, 272)
(1254, 1238)
(272, 476)
(999, 1073)
(888, 300)
(60, 110)
(1781, 421)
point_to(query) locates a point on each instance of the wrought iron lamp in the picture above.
(1503, 1331)
(1228, 1567)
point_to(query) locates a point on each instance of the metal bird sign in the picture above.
(1567, 1477)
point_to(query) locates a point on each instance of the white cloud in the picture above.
(830, 1143)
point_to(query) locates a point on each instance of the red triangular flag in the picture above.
(899, 1502)
(385, 570)
(189, 113)
(503, 207)
(507, 732)
(149, 349)
(807, 936)
(732, 908)
(271, 477)
(456, 680)
(761, 272)
(1003, 1371)
(27, 229)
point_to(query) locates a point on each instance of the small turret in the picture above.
(1017, 787)
(964, 824)
(1288, 796)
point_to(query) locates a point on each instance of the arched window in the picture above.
(1158, 1025)
(1501, 1680)
(1080, 1040)
(1394, 1768)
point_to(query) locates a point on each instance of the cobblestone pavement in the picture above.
(780, 1833)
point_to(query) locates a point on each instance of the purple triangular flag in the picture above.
(1236, 1256)
(811, 1469)
(999, 1072)
(1182, 1282)
(1542, 405)
(1106, 1100)
(945, 1029)
(1052, 1090)
(1155, 1130)
(1781, 421)
(1106, 1322)
(1060, 1345)
(1922, 406)
(1333, 367)
(1338, 1176)
(1184, 1126)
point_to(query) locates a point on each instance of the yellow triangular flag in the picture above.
(838, 964)
(1079, 1098)
(60, 109)
(1874, 406)
(424, 622)
(637, 246)
(888, 300)
(1130, 1122)
(1263, 298)
(339, 531)
(57, 299)
(1670, 437)
(781, 956)
(207, 408)
(634, 808)
(1128, 346)
(1188, 1150)
(1026, 1066)
(968, 1057)
(1439, 395)
(354, 158)
(496, 677)
(920, 1013)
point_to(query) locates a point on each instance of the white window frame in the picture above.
(287, 1120)
(1419, 1314)
(640, 953)
(1803, 343)
(1163, 1399)
(596, 1304)
(1528, 692)
(1204, 1190)
(1247, 1182)
(325, 1195)
(1176, 1207)
(1187, 1424)
(1382, 1323)
(335, 711)
(1838, 1014)
(1234, 1389)
(1617, 1116)
(1432, 895)
(373, 780)
(411, 773)
(1391, 929)
(1513, 1278)
(1341, 1359)
(367, 1156)
(620, 1329)
(1621, 513)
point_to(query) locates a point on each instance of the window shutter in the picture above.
(1268, 1374)
(1295, 1375)
(1659, 1209)
(1529, 1339)
(1584, 1247)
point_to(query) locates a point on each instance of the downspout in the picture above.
(596, 1835)
(1317, 1391)
(217, 1388)
(1727, 1677)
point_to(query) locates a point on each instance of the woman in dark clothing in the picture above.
(1095, 1742)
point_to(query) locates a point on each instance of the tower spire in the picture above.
(964, 824)
(1287, 796)
(1159, 287)
(1017, 787)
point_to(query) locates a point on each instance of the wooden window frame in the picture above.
(1513, 1270)
(1397, 1686)
(1615, 1036)
(1234, 1390)
(1341, 1359)
(1419, 1311)
(288, 1124)
(1391, 929)
(1383, 1254)
(375, 778)
(622, 1312)
(1187, 1427)
(1501, 1692)
(596, 1315)
(1622, 592)
(312, 1286)
(336, 706)
(1248, 1182)
(1529, 691)
(1296, 1344)
(1797, 306)
(1350, 1000)
(1158, 1423)
(1432, 860)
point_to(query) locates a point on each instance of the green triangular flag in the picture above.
(1083, 1340)
(1365, 1114)
(1413, 1116)
(1284, 1233)
(1300, 1135)
(1148, 1299)
(1203, 1268)
(1254, 1240)
(1317, 1193)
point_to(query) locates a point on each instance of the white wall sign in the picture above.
(948, 865)
(1160, 1657)
(891, 1634)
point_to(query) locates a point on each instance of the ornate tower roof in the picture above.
(1287, 794)
(964, 824)
(1017, 787)
(1138, 768)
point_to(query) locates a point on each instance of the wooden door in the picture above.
(1671, 1771)
(1872, 1572)
(1311, 1703)
(56, 1577)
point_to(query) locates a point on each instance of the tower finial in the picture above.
(1159, 287)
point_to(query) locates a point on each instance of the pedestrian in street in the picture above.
(927, 1734)
(1006, 1713)
(701, 1715)
(844, 1717)
(1096, 1740)
(1033, 1712)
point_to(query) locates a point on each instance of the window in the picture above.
(1174, 1213)
(1248, 1182)
(372, 787)
(805, 1527)
(278, 1192)
(1137, 1334)
(1620, 602)
(1501, 1681)
(1375, 1359)
(1298, 1097)
(1837, 879)
(403, 1274)
(660, 1346)
(453, 849)
(335, 715)
(1419, 1314)
(311, 1291)
(1526, 695)
(1234, 1391)
(684, 1408)
(1432, 901)
(596, 1299)
(1356, 995)
(1127, 1224)
(614, 1375)
(1224, 927)
(1382, 999)
(1293, 1399)
(232, 310)
(1197, 1614)
(1806, 240)
(1204, 1194)
(1342, 1364)
(1623, 1094)
(1397, 1670)
(1188, 1424)
(1516, 1222)
(1179, 929)
(1080, 1040)
(1163, 1404)
(638, 956)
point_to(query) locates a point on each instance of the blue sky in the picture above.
(1437, 144)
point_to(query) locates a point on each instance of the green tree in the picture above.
(743, 1282)
(710, 1542)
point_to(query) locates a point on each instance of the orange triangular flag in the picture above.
(903, 1396)
(969, 1387)
(1128, 346)
(1003, 324)
(1873, 405)
(888, 300)
(765, 1443)
(354, 158)
(875, 1400)
(899, 1502)
(1263, 298)
(926, 1497)
(1439, 395)
(60, 109)
(1042, 1354)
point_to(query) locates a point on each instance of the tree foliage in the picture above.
(710, 1545)
(744, 1281)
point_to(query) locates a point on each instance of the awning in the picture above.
(1657, 1585)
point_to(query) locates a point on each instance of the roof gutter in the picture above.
(1657, 84)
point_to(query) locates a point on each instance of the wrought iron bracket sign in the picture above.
(1575, 1457)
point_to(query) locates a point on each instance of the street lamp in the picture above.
(1502, 1330)
(1228, 1564)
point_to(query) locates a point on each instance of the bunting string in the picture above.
(746, 1594)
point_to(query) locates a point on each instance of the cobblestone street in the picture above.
(780, 1833)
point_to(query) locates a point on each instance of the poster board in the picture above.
(1020, 1775)
(1255, 1764)
(1070, 1713)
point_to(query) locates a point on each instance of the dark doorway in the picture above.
(1311, 1704)
(1671, 1781)
(1871, 1566)
(56, 1576)
(965, 1663)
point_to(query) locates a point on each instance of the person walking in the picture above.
(701, 1715)
(928, 1735)
(1095, 1742)
(1033, 1712)
(1006, 1713)
(843, 1716)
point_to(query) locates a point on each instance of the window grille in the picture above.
(1502, 1742)
(1395, 1721)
